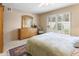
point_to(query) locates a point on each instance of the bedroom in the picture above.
(17, 31)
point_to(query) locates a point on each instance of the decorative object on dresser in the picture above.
(1, 27)
(27, 28)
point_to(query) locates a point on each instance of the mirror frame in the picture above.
(23, 18)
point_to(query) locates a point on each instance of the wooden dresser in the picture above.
(24, 33)
(1, 28)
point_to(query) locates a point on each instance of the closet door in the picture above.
(1, 29)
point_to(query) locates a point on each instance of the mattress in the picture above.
(51, 44)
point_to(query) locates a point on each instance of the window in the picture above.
(59, 23)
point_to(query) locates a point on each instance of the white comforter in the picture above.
(55, 43)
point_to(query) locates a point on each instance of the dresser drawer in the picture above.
(27, 32)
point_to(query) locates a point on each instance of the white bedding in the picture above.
(52, 44)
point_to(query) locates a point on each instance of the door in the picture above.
(1, 29)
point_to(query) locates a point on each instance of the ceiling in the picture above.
(35, 7)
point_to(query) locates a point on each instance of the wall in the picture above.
(12, 21)
(74, 10)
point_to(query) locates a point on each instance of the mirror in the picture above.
(27, 21)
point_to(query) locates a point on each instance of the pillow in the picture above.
(76, 44)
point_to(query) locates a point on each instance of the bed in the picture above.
(51, 44)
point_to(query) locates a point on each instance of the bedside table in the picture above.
(40, 32)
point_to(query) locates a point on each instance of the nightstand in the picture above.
(40, 32)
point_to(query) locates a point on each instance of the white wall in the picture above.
(12, 21)
(74, 21)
